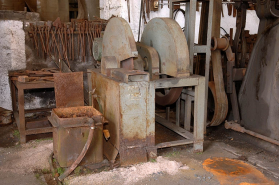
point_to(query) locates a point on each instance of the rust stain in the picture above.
(231, 171)
(70, 133)
(69, 89)
(73, 112)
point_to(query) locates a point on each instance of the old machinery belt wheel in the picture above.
(169, 97)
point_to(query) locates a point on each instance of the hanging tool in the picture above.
(88, 38)
(34, 36)
(54, 39)
(66, 40)
(48, 27)
(83, 37)
(40, 29)
(58, 38)
(73, 49)
(78, 37)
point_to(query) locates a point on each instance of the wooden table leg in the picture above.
(21, 115)
(13, 92)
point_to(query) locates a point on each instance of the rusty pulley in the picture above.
(169, 98)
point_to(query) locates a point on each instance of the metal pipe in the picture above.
(80, 157)
(140, 19)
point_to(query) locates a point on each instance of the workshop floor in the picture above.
(227, 159)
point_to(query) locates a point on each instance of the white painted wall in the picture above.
(119, 8)
(252, 21)
(12, 56)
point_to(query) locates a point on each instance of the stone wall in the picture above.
(17, 53)
(12, 56)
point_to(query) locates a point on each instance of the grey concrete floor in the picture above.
(219, 142)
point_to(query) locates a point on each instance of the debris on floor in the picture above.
(131, 174)
(25, 158)
(18, 163)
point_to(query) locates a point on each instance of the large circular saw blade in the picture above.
(118, 40)
(166, 36)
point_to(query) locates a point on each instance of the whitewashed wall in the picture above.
(119, 8)
(12, 56)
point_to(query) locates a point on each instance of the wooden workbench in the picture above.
(24, 80)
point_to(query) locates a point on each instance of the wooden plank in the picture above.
(38, 130)
(38, 110)
(13, 93)
(16, 116)
(184, 133)
(35, 85)
(39, 123)
(21, 115)
(174, 143)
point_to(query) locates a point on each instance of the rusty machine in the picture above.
(259, 92)
(125, 89)
(255, 110)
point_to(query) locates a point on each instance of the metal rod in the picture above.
(177, 112)
(238, 128)
(140, 19)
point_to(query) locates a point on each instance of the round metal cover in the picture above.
(166, 36)
(118, 40)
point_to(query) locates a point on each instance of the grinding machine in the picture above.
(259, 92)
(133, 76)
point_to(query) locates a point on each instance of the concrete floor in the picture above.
(27, 163)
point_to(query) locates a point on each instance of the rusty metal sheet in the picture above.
(130, 110)
(70, 133)
(133, 125)
(258, 95)
(106, 101)
(68, 89)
